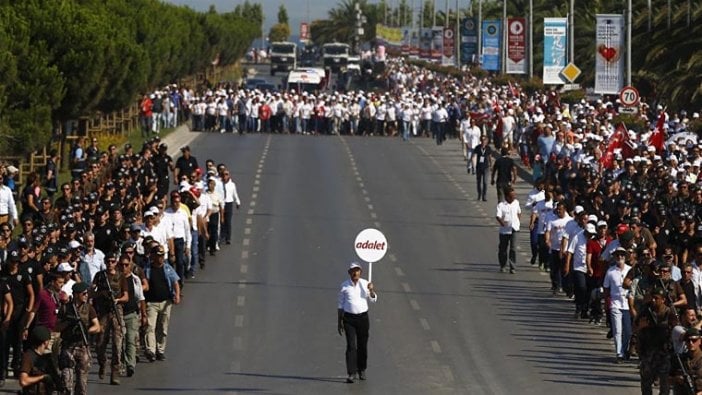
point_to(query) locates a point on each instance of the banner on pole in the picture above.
(469, 40)
(516, 46)
(609, 59)
(425, 43)
(391, 37)
(304, 32)
(555, 46)
(492, 38)
(448, 58)
(437, 43)
(414, 42)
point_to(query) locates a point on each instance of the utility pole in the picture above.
(531, 38)
(433, 13)
(571, 36)
(358, 32)
(480, 32)
(457, 35)
(504, 37)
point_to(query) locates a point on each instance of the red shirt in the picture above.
(595, 247)
(47, 309)
(264, 112)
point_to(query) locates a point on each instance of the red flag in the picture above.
(658, 135)
(628, 147)
(616, 141)
(513, 89)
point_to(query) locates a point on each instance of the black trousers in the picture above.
(481, 180)
(226, 227)
(356, 328)
(213, 229)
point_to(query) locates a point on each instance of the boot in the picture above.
(101, 372)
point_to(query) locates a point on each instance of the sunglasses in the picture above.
(124, 264)
(129, 252)
(692, 340)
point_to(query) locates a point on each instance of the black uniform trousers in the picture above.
(356, 328)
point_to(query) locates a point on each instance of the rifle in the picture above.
(113, 304)
(689, 383)
(79, 322)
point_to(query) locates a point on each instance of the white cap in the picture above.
(579, 209)
(74, 244)
(590, 228)
(354, 265)
(64, 267)
(592, 218)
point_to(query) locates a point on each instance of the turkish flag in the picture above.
(658, 135)
(617, 140)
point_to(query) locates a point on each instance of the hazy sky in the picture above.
(297, 9)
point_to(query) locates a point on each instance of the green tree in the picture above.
(341, 23)
(279, 32)
(283, 15)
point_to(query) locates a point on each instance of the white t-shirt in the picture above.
(578, 247)
(557, 227)
(614, 280)
(509, 213)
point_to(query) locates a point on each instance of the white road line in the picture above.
(246, 242)
(392, 257)
(244, 269)
(252, 203)
(240, 300)
(359, 179)
(254, 196)
(399, 272)
(256, 189)
(237, 343)
(238, 321)
(424, 323)
(447, 373)
(247, 231)
(377, 224)
(364, 191)
(370, 207)
(367, 199)
(435, 346)
(245, 254)
(250, 212)
(414, 304)
(406, 287)
(258, 175)
(257, 182)
(372, 215)
(361, 185)
(235, 366)
(242, 286)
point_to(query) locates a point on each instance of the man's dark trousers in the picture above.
(356, 329)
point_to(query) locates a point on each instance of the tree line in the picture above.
(666, 61)
(61, 59)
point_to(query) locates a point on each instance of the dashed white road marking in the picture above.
(249, 221)
(244, 254)
(414, 304)
(254, 196)
(448, 373)
(244, 269)
(367, 199)
(424, 323)
(372, 215)
(246, 242)
(256, 189)
(237, 343)
(250, 212)
(435, 346)
(406, 287)
(370, 207)
(399, 272)
(247, 231)
(253, 203)
(240, 300)
(377, 224)
(392, 257)
(239, 321)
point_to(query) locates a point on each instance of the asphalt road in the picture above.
(261, 318)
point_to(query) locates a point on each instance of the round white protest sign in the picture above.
(371, 245)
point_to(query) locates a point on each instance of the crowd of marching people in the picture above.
(97, 263)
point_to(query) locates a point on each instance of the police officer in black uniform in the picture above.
(163, 166)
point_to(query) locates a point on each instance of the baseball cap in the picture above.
(590, 228)
(601, 224)
(64, 267)
(354, 265)
(579, 209)
(74, 244)
(619, 250)
(79, 288)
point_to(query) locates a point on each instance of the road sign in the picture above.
(371, 246)
(628, 110)
(571, 72)
(629, 96)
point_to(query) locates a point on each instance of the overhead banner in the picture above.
(448, 58)
(437, 43)
(516, 46)
(391, 37)
(492, 37)
(469, 40)
(609, 62)
(425, 43)
(555, 46)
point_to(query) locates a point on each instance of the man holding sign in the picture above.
(353, 320)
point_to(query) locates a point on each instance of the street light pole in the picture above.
(504, 37)
(480, 32)
(628, 43)
(571, 28)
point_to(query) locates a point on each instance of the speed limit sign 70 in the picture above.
(629, 96)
